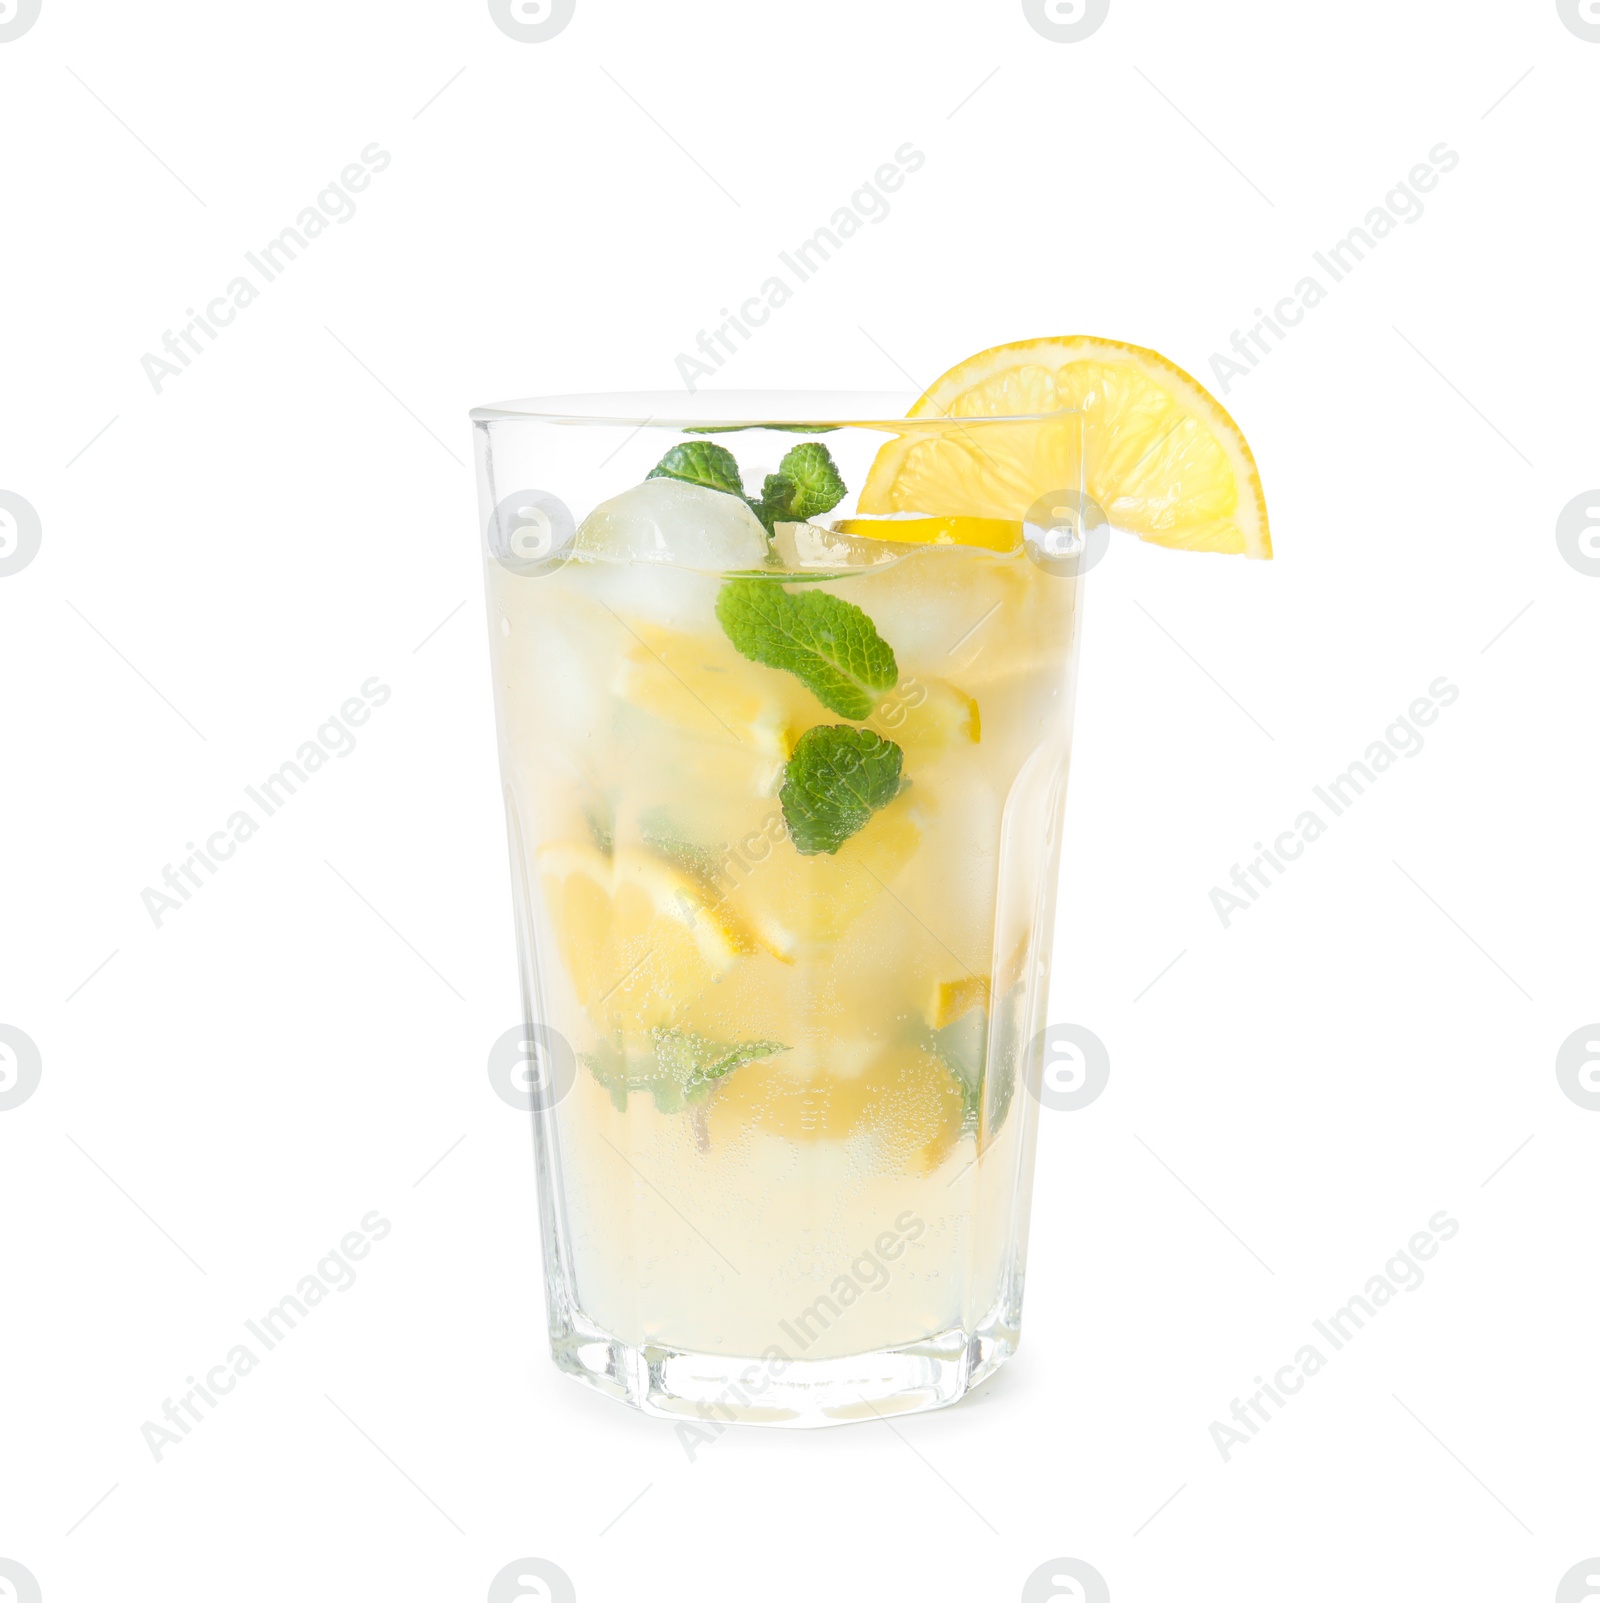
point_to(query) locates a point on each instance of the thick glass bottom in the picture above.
(717, 1389)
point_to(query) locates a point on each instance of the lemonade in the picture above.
(785, 715)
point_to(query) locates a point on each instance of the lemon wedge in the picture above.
(954, 999)
(1145, 440)
(925, 716)
(700, 685)
(640, 940)
(904, 1100)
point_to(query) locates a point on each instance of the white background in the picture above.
(225, 562)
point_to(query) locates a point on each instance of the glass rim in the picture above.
(730, 410)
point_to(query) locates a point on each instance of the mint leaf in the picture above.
(694, 1060)
(806, 484)
(677, 1068)
(829, 645)
(775, 494)
(701, 462)
(817, 486)
(677, 1071)
(836, 780)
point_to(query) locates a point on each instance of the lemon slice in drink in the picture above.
(699, 684)
(1143, 439)
(993, 534)
(924, 716)
(904, 1100)
(954, 999)
(640, 940)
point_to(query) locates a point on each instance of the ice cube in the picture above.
(666, 520)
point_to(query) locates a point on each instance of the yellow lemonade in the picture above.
(870, 1003)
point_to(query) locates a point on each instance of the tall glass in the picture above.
(784, 904)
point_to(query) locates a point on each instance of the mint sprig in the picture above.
(695, 1060)
(829, 645)
(701, 462)
(836, 780)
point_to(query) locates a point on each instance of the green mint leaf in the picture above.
(806, 484)
(701, 462)
(836, 780)
(829, 645)
(774, 502)
(814, 477)
(676, 1068)
(694, 1060)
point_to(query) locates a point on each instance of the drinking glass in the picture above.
(784, 793)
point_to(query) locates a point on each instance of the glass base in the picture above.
(717, 1389)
